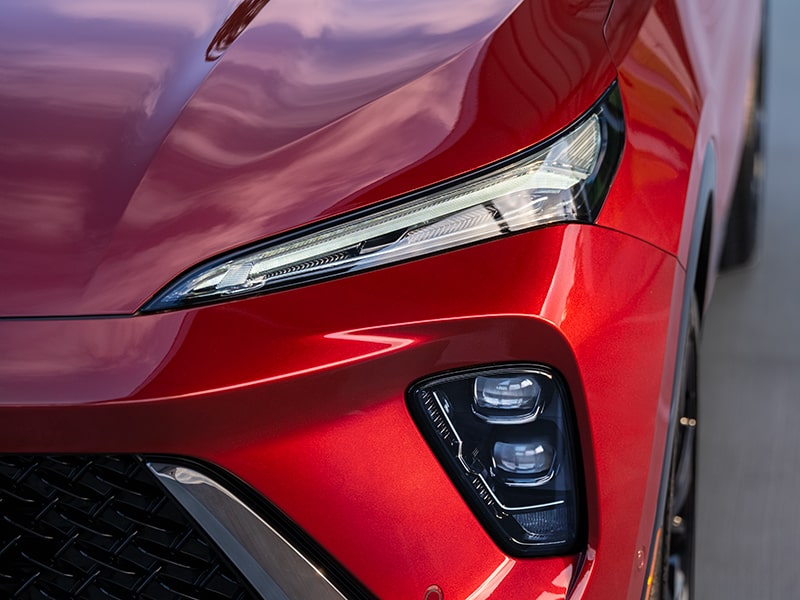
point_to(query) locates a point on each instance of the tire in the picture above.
(742, 231)
(675, 574)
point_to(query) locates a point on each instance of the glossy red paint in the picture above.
(684, 69)
(312, 112)
(295, 390)
(123, 167)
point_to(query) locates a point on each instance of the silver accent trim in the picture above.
(275, 568)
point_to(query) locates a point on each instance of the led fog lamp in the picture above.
(505, 437)
(562, 180)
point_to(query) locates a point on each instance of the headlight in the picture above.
(562, 180)
(505, 436)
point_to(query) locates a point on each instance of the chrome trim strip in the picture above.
(275, 568)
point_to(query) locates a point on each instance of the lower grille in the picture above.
(101, 527)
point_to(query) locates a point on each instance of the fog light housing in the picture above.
(505, 435)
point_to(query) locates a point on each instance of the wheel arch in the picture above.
(695, 286)
(699, 265)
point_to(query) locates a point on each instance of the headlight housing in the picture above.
(506, 437)
(564, 179)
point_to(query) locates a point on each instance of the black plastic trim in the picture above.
(466, 490)
(111, 564)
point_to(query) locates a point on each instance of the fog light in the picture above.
(504, 435)
(525, 458)
(507, 399)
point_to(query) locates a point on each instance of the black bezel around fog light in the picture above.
(526, 512)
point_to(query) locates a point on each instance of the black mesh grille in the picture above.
(101, 527)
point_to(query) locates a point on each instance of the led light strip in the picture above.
(562, 180)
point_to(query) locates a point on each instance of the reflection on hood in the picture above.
(233, 27)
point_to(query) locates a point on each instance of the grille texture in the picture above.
(101, 527)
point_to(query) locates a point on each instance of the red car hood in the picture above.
(136, 143)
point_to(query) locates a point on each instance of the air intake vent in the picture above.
(101, 527)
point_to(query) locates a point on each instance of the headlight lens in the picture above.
(519, 472)
(562, 180)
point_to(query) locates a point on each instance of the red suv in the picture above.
(361, 299)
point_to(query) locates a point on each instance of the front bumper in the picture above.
(301, 394)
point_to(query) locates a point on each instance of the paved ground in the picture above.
(749, 489)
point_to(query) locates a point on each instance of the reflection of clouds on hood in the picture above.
(84, 57)
(158, 158)
(89, 91)
(417, 117)
(291, 185)
(288, 85)
(373, 39)
(286, 128)
(195, 16)
(79, 77)
(373, 19)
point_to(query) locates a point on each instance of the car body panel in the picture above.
(684, 69)
(299, 120)
(306, 404)
(312, 113)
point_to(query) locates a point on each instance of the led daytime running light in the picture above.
(557, 183)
